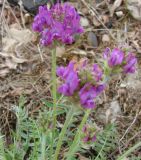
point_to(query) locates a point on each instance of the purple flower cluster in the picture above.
(87, 91)
(70, 78)
(115, 57)
(97, 72)
(130, 63)
(89, 134)
(87, 82)
(61, 22)
(118, 59)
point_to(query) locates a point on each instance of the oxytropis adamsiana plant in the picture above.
(87, 82)
(58, 25)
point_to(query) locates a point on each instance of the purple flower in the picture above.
(131, 61)
(88, 93)
(97, 72)
(84, 129)
(100, 88)
(93, 139)
(86, 139)
(88, 135)
(42, 19)
(61, 23)
(70, 78)
(63, 72)
(115, 57)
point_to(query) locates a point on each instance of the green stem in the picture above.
(43, 147)
(77, 137)
(129, 151)
(54, 90)
(63, 131)
(101, 148)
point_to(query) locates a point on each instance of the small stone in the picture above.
(99, 1)
(119, 14)
(133, 80)
(84, 22)
(113, 111)
(105, 38)
(134, 7)
(92, 39)
(85, 11)
(31, 5)
(116, 4)
(27, 18)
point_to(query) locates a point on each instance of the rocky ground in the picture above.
(25, 65)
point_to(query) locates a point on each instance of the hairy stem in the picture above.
(77, 137)
(63, 131)
(54, 85)
(54, 90)
(43, 147)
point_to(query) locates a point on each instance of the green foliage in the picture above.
(74, 147)
(30, 136)
(33, 137)
(106, 141)
(134, 158)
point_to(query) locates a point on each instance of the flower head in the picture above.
(131, 62)
(115, 57)
(61, 23)
(88, 134)
(92, 74)
(70, 78)
(119, 61)
(87, 86)
(88, 93)
(93, 139)
(63, 72)
(97, 72)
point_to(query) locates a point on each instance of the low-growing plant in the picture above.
(33, 137)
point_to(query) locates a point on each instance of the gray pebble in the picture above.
(92, 39)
